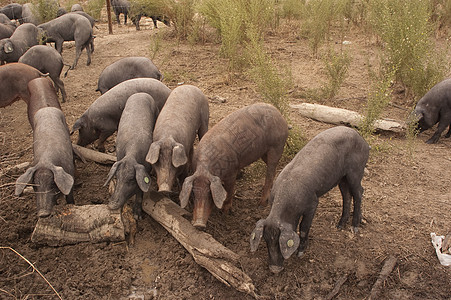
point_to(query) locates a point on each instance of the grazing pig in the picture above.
(120, 7)
(134, 137)
(435, 107)
(124, 69)
(5, 20)
(101, 119)
(76, 7)
(6, 31)
(13, 11)
(30, 15)
(137, 17)
(52, 171)
(184, 115)
(335, 156)
(253, 132)
(42, 94)
(47, 60)
(70, 27)
(14, 78)
(23, 38)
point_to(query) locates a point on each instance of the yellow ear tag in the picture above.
(253, 236)
(290, 243)
(146, 179)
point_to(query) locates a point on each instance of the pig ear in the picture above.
(256, 235)
(154, 153)
(179, 156)
(288, 240)
(218, 192)
(63, 180)
(77, 125)
(23, 180)
(112, 172)
(186, 191)
(142, 177)
(8, 47)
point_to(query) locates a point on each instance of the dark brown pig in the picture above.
(42, 94)
(14, 78)
(101, 119)
(134, 137)
(253, 132)
(435, 107)
(52, 171)
(335, 156)
(184, 115)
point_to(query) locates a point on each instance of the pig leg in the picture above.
(448, 134)
(271, 158)
(59, 46)
(346, 195)
(70, 198)
(229, 186)
(100, 145)
(357, 194)
(306, 223)
(202, 129)
(60, 86)
(445, 121)
(137, 207)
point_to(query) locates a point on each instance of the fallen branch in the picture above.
(70, 224)
(337, 287)
(14, 169)
(341, 116)
(34, 268)
(387, 268)
(206, 251)
(98, 157)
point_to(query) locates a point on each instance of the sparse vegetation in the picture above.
(94, 8)
(44, 10)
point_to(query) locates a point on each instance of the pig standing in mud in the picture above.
(433, 107)
(101, 119)
(134, 137)
(52, 171)
(184, 115)
(253, 132)
(337, 155)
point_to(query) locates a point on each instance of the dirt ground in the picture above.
(407, 194)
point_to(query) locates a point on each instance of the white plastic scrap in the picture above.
(445, 259)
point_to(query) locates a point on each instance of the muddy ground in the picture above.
(407, 193)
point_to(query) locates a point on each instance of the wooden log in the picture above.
(70, 224)
(340, 116)
(98, 157)
(14, 169)
(206, 251)
(387, 268)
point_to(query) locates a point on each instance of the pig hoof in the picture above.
(199, 225)
(301, 254)
(355, 229)
(275, 269)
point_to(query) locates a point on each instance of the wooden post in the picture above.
(108, 13)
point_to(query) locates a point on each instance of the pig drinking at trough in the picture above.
(42, 94)
(47, 60)
(23, 38)
(335, 156)
(52, 171)
(253, 132)
(70, 27)
(184, 115)
(14, 78)
(101, 119)
(124, 69)
(435, 107)
(134, 137)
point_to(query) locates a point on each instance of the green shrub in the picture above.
(44, 10)
(94, 8)
(336, 66)
(405, 31)
(292, 9)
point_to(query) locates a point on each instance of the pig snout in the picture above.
(275, 269)
(44, 213)
(164, 187)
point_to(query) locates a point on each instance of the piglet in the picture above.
(14, 78)
(184, 115)
(134, 137)
(253, 132)
(101, 119)
(52, 171)
(335, 156)
(435, 107)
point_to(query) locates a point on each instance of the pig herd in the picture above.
(156, 132)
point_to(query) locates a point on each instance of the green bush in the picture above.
(405, 30)
(44, 10)
(336, 66)
(292, 9)
(94, 8)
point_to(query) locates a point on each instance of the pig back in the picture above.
(42, 94)
(134, 134)
(241, 138)
(51, 140)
